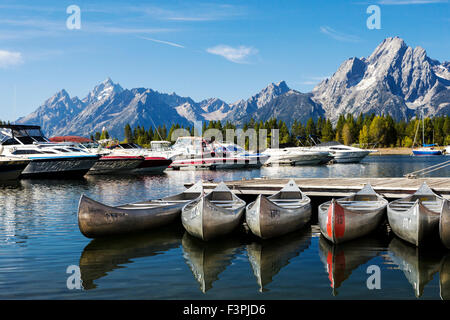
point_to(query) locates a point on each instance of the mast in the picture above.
(423, 129)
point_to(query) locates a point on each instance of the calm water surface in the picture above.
(40, 239)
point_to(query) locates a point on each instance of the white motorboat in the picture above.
(249, 159)
(47, 159)
(296, 156)
(342, 153)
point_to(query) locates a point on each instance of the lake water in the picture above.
(40, 240)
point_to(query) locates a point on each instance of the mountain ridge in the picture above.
(394, 79)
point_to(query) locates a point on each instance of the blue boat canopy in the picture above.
(429, 145)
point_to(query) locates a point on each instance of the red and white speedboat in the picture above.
(198, 153)
(153, 162)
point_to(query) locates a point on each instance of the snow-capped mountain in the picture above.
(395, 79)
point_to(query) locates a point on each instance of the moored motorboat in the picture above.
(116, 164)
(215, 214)
(153, 162)
(417, 216)
(295, 156)
(48, 159)
(285, 211)
(444, 224)
(111, 161)
(198, 153)
(342, 153)
(96, 219)
(241, 156)
(352, 217)
(11, 168)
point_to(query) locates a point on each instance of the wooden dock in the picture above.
(336, 187)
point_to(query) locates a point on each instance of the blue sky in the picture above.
(225, 49)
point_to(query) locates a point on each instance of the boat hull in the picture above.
(267, 220)
(444, 224)
(427, 152)
(98, 220)
(339, 224)
(153, 165)
(112, 165)
(59, 167)
(349, 157)
(11, 170)
(204, 220)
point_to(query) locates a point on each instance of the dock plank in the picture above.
(334, 187)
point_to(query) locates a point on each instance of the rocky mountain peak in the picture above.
(103, 91)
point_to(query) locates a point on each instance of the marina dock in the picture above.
(392, 188)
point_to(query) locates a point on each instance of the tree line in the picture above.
(364, 130)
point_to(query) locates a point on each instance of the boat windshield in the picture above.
(235, 148)
(12, 136)
(192, 143)
(160, 145)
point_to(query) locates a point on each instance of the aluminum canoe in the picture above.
(96, 219)
(213, 215)
(444, 224)
(352, 217)
(416, 217)
(286, 211)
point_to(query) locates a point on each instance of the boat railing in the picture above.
(428, 169)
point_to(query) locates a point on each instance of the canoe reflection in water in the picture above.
(268, 257)
(207, 260)
(418, 264)
(444, 278)
(104, 255)
(341, 259)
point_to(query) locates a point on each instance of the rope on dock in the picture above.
(428, 169)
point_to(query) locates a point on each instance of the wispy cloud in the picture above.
(197, 13)
(123, 30)
(405, 2)
(10, 58)
(313, 80)
(339, 35)
(236, 55)
(173, 44)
